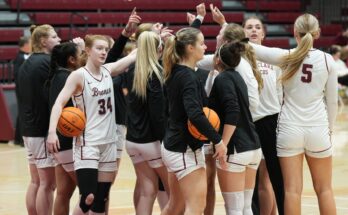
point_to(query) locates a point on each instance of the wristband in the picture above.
(201, 18)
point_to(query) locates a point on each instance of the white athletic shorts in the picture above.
(182, 164)
(238, 162)
(208, 148)
(65, 158)
(149, 152)
(121, 131)
(37, 152)
(293, 140)
(101, 157)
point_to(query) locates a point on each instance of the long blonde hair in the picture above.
(38, 32)
(307, 27)
(235, 32)
(175, 48)
(146, 62)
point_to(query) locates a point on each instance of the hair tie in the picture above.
(244, 40)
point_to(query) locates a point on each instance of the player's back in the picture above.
(303, 102)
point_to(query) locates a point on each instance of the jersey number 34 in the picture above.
(104, 106)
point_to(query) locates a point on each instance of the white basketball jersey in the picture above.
(304, 94)
(270, 93)
(97, 102)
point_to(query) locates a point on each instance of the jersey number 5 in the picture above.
(307, 73)
(102, 108)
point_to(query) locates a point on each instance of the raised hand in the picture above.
(79, 42)
(157, 28)
(201, 9)
(132, 24)
(190, 18)
(166, 33)
(218, 17)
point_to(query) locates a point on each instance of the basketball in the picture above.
(72, 121)
(213, 119)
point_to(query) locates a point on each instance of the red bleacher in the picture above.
(10, 35)
(273, 5)
(109, 4)
(122, 18)
(8, 52)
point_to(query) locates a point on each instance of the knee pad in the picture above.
(234, 202)
(248, 195)
(87, 180)
(102, 197)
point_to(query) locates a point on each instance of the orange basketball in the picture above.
(72, 121)
(213, 119)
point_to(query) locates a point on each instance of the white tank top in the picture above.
(97, 102)
(304, 101)
(271, 92)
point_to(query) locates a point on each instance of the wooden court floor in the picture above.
(14, 178)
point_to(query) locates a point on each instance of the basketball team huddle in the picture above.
(182, 116)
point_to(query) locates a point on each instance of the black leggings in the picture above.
(266, 129)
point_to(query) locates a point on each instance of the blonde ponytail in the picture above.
(307, 29)
(146, 63)
(250, 56)
(170, 56)
(292, 62)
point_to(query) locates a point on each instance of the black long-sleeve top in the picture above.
(32, 97)
(120, 102)
(145, 118)
(229, 98)
(186, 103)
(56, 85)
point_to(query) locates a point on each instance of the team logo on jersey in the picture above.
(97, 92)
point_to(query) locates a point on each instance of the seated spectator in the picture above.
(335, 51)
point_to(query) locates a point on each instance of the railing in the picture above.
(73, 26)
(6, 72)
(19, 5)
(328, 11)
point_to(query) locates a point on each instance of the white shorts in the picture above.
(208, 148)
(238, 162)
(65, 158)
(38, 153)
(101, 157)
(182, 164)
(294, 140)
(121, 131)
(149, 152)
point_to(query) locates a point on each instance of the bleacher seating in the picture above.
(108, 4)
(64, 18)
(73, 18)
(10, 35)
(8, 52)
(273, 5)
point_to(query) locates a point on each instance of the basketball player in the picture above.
(34, 116)
(247, 72)
(145, 120)
(265, 118)
(116, 50)
(95, 149)
(307, 115)
(65, 58)
(229, 98)
(182, 154)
